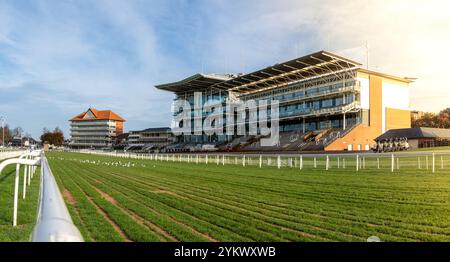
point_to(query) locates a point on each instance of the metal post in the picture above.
(301, 162)
(392, 163)
(25, 174)
(16, 195)
(433, 162)
(260, 161)
(357, 162)
(279, 161)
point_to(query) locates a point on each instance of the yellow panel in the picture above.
(375, 95)
(397, 118)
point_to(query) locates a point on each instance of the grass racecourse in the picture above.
(118, 199)
(27, 209)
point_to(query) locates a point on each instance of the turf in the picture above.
(116, 199)
(27, 209)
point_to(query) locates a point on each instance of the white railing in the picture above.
(54, 223)
(5, 154)
(358, 160)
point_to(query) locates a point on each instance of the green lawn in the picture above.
(439, 148)
(170, 201)
(27, 209)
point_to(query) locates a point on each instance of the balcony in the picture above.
(105, 128)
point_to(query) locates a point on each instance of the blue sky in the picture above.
(59, 57)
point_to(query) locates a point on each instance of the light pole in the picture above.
(3, 130)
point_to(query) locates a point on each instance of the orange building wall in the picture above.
(119, 128)
(362, 134)
(397, 118)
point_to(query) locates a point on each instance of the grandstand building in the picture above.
(150, 139)
(95, 129)
(326, 102)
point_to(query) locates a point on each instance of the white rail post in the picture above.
(260, 161)
(206, 159)
(378, 163)
(364, 162)
(392, 163)
(301, 162)
(442, 162)
(433, 162)
(418, 162)
(357, 162)
(217, 159)
(327, 163)
(25, 174)
(315, 162)
(339, 163)
(279, 161)
(426, 161)
(16, 193)
(223, 160)
(343, 163)
(243, 160)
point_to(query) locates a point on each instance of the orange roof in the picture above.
(98, 115)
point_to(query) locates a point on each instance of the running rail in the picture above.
(54, 223)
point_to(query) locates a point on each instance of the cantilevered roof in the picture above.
(193, 83)
(298, 69)
(417, 132)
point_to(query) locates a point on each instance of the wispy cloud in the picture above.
(59, 57)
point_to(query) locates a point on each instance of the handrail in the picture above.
(54, 223)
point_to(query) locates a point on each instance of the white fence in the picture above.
(424, 161)
(5, 154)
(54, 223)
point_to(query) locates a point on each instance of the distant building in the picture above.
(20, 141)
(420, 137)
(150, 139)
(95, 129)
(121, 141)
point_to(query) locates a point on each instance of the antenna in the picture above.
(367, 54)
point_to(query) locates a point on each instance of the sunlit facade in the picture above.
(326, 102)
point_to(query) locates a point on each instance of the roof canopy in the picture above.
(417, 132)
(94, 114)
(298, 69)
(196, 82)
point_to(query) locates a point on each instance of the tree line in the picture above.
(11, 133)
(440, 120)
(55, 137)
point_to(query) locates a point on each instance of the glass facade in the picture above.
(304, 106)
